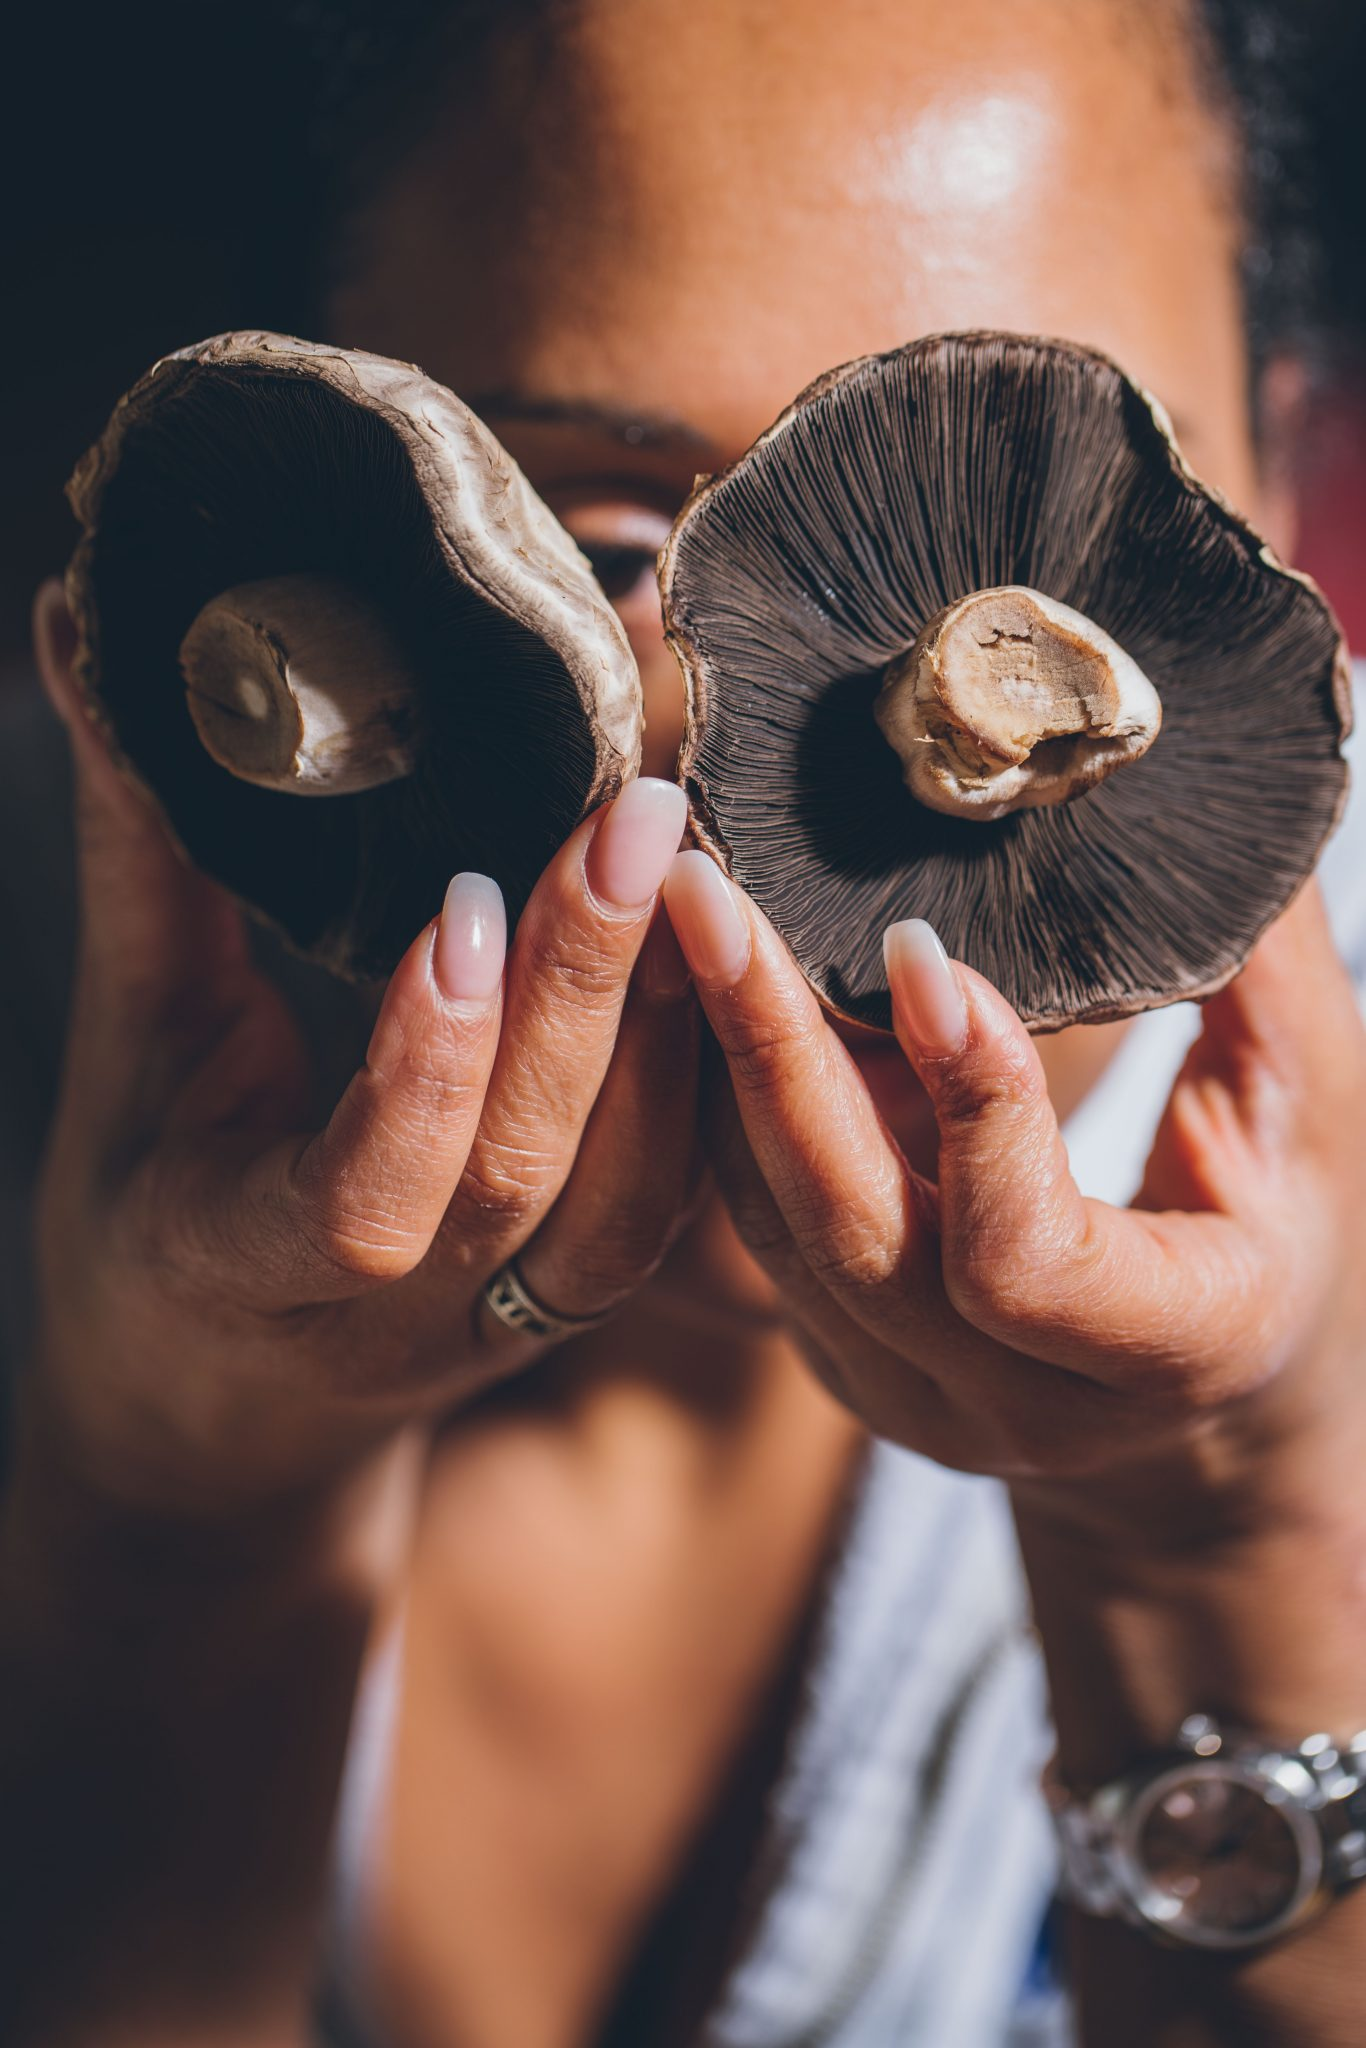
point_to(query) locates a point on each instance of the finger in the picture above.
(570, 964)
(627, 1192)
(157, 940)
(857, 1215)
(1272, 1081)
(878, 1384)
(1026, 1258)
(358, 1205)
(752, 1205)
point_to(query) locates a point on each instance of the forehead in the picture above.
(698, 205)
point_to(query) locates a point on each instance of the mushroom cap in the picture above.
(893, 487)
(255, 455)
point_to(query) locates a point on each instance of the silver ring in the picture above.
(515, 1306)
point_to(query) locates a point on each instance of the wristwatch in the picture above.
(1224, 1842)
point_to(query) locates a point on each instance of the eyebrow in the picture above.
(630, 426)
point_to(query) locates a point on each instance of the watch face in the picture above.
(1222, 1856)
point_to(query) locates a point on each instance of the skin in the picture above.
(1168, 1391)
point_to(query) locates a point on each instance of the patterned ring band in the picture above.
(513, 1303)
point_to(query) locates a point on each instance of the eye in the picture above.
(627, 574)
(622, 540)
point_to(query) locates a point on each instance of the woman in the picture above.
(695, 1697)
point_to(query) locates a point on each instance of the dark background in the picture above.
(158, 188)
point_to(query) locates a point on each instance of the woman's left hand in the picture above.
(1000, 1321)
(1175, 1392)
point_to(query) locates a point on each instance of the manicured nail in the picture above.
(661, 971)
(929, 1002)
(471, 940)
(635, 842)
(706, 914)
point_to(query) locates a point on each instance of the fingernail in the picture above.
(661, 970)
(925, 991)
(635, 842)
(471, 940)
(706, 914)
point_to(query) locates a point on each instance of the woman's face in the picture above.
(642, 233)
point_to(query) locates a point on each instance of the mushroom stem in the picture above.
(295, 683)
(1009, 700)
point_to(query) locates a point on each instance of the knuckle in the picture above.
(581, 972)
(760, 1051)
(429, 1075)
(346, 1237)
(437, 1089)
(853, 1259)
(995, 1289)
(365, 1248)
(860, 1238)
(973, 1092)
(1029, 1282)
(502, 1191)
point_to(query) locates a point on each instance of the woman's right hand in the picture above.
(233, 1308)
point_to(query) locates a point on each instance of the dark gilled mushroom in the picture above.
(966, 640)
(312, 572)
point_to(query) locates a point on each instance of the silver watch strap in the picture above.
(1341, 1776)
(1085, 1831)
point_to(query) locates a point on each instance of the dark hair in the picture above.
(379, 68)
(1259, 61)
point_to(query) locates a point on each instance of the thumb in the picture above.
(158, 941)
(1005, 1186)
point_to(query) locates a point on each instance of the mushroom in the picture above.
(965, 639)
(311, 571)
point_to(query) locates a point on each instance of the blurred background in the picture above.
(159, 187)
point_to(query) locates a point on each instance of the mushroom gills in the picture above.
(1009, 701)
(795, 582)
(296, 683)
